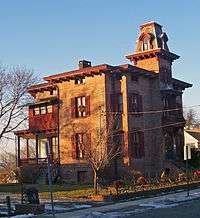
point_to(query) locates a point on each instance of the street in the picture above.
(184, 210)
(170, 205)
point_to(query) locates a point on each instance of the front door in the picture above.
(42, 148)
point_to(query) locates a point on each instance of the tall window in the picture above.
(80, 106)
(166, 107)
(135, 103)
(55, 147)
(145, 44)
(137, 144)
(79, 142)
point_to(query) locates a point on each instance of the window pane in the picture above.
(83, 101)
(55, 141)
(49, 109)
(36, 111)
(43, 110)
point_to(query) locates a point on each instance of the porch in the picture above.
(31, 148)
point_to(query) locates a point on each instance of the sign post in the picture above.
(187, 156)
(50, 177)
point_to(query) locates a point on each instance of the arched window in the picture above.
(145, 44)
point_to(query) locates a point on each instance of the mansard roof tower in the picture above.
(152, 52)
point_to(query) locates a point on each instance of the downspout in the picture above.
(58, 126)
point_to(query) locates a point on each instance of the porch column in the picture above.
(174, 144)
(18, 150)
(49, 139)
(27, 148)
(36, 147)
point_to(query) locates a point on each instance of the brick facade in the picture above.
(140, 92)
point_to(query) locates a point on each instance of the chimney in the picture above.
(83, 64)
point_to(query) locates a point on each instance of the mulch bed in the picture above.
(144, 193)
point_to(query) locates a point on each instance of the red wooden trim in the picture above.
(73, 147)
(78, 72)
(73, 107)
(87, 105)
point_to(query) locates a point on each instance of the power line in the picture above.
(152, 128)
(153, 111)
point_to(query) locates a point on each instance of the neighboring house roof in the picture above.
(192, 138)
(195, 133)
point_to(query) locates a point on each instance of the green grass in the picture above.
(59, 191)
(16, 188)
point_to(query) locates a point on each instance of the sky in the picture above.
(51, 36)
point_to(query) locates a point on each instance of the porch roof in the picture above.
(31, 134)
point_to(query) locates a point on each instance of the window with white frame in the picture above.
(36, 111)
(81, 106)
(49, 108)
(43, 110)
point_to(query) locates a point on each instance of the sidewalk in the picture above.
(169, 200)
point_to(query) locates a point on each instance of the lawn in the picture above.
(59, 191)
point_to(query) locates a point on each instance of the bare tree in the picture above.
(192, 120)
(13, 96)
(7, 161)
(7, 166)
(104, 147)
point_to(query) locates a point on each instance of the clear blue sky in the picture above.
(50, 36)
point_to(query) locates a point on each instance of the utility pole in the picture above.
(187, 171)
(50, 176)
(187, 156)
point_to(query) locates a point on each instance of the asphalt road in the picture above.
(184, 210)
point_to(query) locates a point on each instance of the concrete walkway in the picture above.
(164, 201)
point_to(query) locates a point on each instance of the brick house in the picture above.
(144, 93)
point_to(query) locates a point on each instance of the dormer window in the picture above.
(145, 44)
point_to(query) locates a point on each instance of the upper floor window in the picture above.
(49, 108)
(43, 109)
(135, 103)
(166, 107)
(145, 44)
(80, 80)
(36, 111)
(53, 92)
(80, 106)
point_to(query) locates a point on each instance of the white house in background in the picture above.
(192, 137)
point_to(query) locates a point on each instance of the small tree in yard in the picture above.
(102, 150)
(13, 96)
